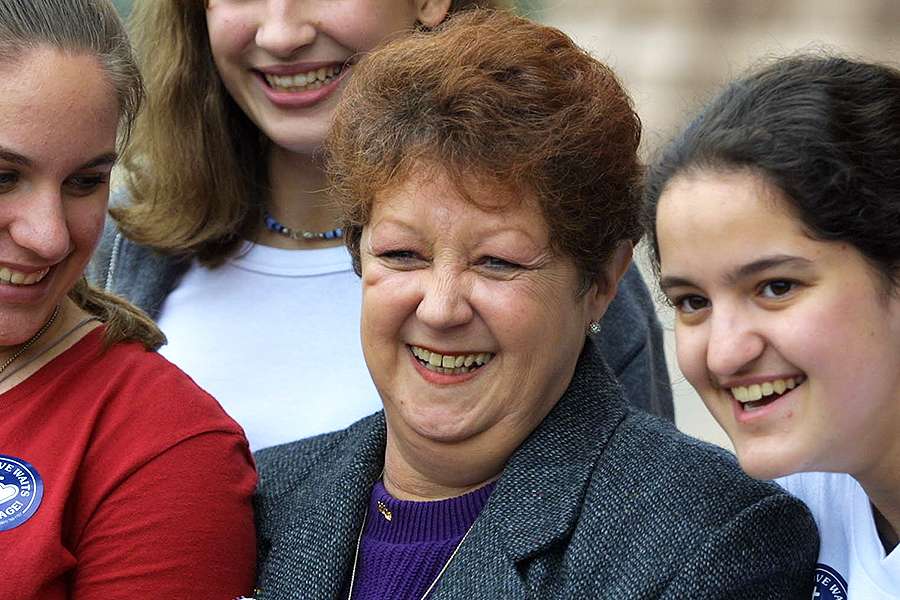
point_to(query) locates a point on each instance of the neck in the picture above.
(427, 470)
(882, 486)
(43, 350)
(299, 199)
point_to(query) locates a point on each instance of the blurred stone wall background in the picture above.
(674, 54)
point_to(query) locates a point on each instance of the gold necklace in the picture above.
(433, 583)
(34, 338)
(31, 341)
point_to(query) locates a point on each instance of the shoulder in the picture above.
(141, 390)
(693, 487)
(285, 467)
(665, 460)
(687, 505)
(833, 499)
(138, 273)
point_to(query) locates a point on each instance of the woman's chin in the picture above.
(765, 465)
(441, 427)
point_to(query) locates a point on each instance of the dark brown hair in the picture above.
(492, 97)
(825, 130)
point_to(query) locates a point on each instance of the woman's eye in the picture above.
(8, 180)
(400, 256)
(82, 185)
(494, 263)
(777, 288)
(690, 304)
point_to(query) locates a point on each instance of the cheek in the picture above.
(364, 25)
(690, 351)
(228, 32)
(388, 298)
(826, 336)
(85, 219)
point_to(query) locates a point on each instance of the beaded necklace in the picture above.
(272, 224)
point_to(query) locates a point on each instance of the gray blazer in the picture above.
(631, 338)
(601, 501)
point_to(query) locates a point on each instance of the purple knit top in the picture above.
(400, 557)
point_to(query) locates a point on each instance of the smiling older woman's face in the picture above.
(480, 293)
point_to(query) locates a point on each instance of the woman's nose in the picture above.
(734, 344)
(445, 302)
(285, 27)
(40, 226)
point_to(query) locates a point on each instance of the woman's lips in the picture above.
(24, 287)
(303, 88)
(756, 401)
(13, 276)
(459, 367)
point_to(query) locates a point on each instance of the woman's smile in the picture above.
(301, 86)
(450, 363)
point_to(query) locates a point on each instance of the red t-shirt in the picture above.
(147, 483)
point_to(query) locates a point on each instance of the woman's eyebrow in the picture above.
(669, 281)
(765, 263)
(760, 265)
(14, 157)
(108, 158)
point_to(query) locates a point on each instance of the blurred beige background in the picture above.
(674, 54)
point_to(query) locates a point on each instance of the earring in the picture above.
(594, 327)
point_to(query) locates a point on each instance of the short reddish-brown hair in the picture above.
(491, 97)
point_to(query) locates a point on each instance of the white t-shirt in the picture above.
(852, 561)
(273, 334)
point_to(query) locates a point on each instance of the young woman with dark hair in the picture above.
(775, 221)
(227, 235)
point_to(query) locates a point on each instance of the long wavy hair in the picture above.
(90, 27)
(196, 171)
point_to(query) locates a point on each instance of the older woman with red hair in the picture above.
(490, 185)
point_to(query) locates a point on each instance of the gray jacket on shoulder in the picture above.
(600, 501)
(631, 336)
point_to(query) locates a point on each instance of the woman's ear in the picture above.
(432, 12)
(603, 292)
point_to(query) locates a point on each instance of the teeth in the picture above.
(752, 393)
(19, 278)
(300, 82)
(450, 364)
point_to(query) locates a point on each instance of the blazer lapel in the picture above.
(538, 499)
(311, 550)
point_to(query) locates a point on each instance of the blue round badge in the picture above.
(829, 584)
(21, 491)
